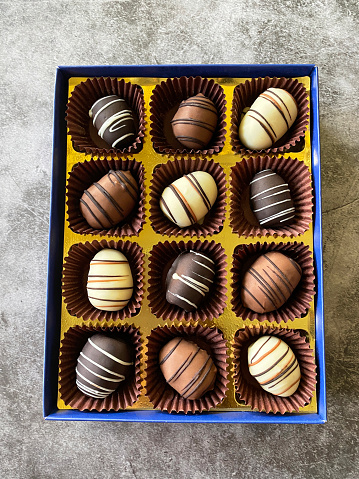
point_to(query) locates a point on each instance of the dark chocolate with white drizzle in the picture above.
(189, 280)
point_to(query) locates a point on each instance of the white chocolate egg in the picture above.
(268, 119)
(273, 364)
(187, 200)
(110, 282)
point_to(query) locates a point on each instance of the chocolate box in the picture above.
(61, 238)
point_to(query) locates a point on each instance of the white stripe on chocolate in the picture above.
(183, 299)
(117, 360)
(104, 107)
(278, 215)
(261, 177)
(192, 283)
(100, 366)
(271, 205)
(265, 191)
(105, 378)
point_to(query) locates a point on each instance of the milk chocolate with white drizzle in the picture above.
(110, 200)
(195, 122)
(114, 121)
(187, 368)
(102, 365)
(270, 199)
(269, 282)
(189, 280)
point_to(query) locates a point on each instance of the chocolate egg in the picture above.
(102, 365)
(195, 122)
(187, 200)
(114, 121)
(270, 199)
(110, 282)
(189, 280)
(274, 365)
(268, 119)
(269, 282)
(187, 368)
(110, 200)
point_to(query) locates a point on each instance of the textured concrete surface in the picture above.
(35, 37)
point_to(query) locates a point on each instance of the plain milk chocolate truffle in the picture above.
(274, 366)
(269, 282)
(187, 368)
(195, 122)
(270, 199)
(189, 280)
(110, 281)
(187, 200)
(110, 200)
(268, 119)
(103, 364)
(114, 121)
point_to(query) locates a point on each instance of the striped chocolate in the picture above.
(114, 121)
(269, 282)
(189, 280)
(187, 200)
(270, 199)
(110, 200)
(195, 122)
(268, 119)
(102, 365)
(110, 282)
(187, 368)
(273, 364)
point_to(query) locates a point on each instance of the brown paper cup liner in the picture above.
(164, 175)
(74, 278)
(161, 394)
(165, 100)
(83, 175)
(298, 304)
(83, 134)
(161, 258)
(248, 389)
(244, 96)
(74, 340)
(293, 172)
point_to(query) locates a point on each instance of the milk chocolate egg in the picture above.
(187, 200)
(187, 368)
(114, 121)
(273, 364)
(103, 364)
(270, 116)
(110, 282)
(189, 280)
(110, 200)
(269, 282)
(270, 199)
(195, 122)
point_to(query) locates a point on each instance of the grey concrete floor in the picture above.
(35, 37)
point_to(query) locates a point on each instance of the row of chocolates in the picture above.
(188, 115)
(186, 368)
(269, 195)
(187, 281)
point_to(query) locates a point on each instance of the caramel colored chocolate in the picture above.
(187, 200)
(270, 198)
(269, 282)
(189, 280)
(114, 121)
(270, 116)
(103, 364)
(110, 281)
(195, 122)
(187, 368)
(110, 200)
(274, 365)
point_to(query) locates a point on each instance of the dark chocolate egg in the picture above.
(195, 122)
(187, 368)
(269, 282)
(270, 199)
(189, 280)
(103, 364)
(110, 200)
(114, 121)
